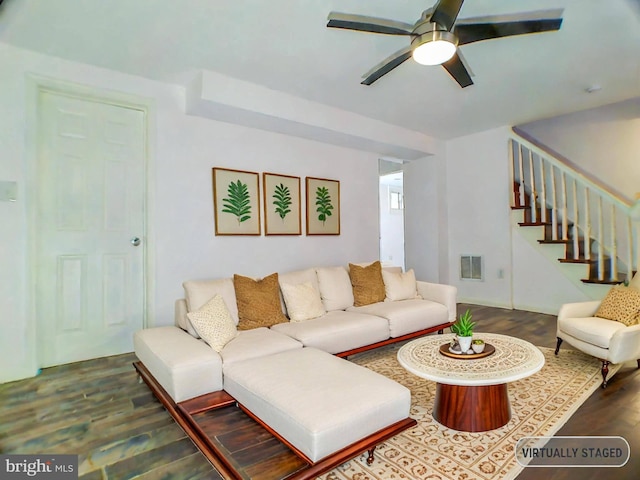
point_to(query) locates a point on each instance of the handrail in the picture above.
(582, 209)
(542, 149)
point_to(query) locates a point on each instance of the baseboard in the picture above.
(484, 302)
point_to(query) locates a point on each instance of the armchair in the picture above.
(608, 340)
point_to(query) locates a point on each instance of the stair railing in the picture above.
(595, 219)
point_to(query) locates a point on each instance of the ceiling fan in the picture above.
(436, 36)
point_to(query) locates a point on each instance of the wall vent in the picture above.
(471, 267)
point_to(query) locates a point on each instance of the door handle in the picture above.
(135, 241)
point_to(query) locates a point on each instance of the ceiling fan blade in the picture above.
(445, 12)
(477, 29)
(458, 71)
(368, 24)
(385, 66)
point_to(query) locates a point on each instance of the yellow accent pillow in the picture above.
(367, 283)
(258, 302)
(621, 304)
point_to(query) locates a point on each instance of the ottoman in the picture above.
(317, 403)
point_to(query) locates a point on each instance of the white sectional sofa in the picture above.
(186, 373)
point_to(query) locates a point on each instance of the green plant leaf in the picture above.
(323, 203)
(238, 202)
(463, 327)
(282, 196)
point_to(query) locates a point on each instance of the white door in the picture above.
(90, 292)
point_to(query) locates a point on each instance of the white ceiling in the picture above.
(285, 45)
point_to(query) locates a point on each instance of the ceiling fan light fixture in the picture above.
(434, 48)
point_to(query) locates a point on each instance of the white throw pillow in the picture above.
(335, 288)
(213, 323)
(400, 286)
(303, 301)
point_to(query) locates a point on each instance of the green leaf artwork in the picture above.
(323, 203)
(282, 200)
(238, 201)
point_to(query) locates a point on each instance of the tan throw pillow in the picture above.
(621, 304)
(303, 301)
(213, 323)
(258, 302)
(400, 286)
(367, 283)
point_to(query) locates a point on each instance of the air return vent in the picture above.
(471, 267)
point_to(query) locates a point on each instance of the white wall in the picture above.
(182, 241)
(597, 140)
(478, 214)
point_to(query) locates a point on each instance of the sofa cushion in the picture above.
(299, 276)
(621, 304)
(184, 366)
(592, 330)
(199, 292)
(255, 343)
(317, 402)
(303, 301)
(368, 286)
(407, 316)
(213, 323)
(400, 285)
(258, 301)
(335, 288)
(337, 331)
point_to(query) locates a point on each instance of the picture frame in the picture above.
(281, 203)
(236, 202)
(323, 206)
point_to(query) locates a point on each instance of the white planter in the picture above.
(478, 348)
(465, 343)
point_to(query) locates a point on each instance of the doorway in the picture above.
(89, 228)
(391, 209)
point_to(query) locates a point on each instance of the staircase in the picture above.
(593, 223)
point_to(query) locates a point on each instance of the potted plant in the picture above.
(463, 328)
(477, 345)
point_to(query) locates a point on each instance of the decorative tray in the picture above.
(447, 352)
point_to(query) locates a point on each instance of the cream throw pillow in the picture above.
(621, 304)
(400, 286)
(213, 323)
(335, 288)
(303, 301)
(635, 281)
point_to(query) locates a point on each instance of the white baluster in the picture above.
(534, 212)
(543, 191)
(613, 274)
(587, 216)
(630, 248)
(554, 206)
(576, 244)
(512, 167)
(563, 179)
(521, 168)
(600, 241)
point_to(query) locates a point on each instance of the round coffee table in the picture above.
(471, 394)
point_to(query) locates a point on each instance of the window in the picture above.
(395, 200)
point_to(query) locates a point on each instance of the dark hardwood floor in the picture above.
(98, 410)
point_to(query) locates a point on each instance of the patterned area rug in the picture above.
(540, 405)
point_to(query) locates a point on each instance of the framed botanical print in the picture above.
(323, 206)
(281, 204)
(236, 202)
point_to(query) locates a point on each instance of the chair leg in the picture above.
(605, 372)
(560, 343)
(639, 363)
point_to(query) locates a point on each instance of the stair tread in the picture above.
(585, 261)
(559, 241)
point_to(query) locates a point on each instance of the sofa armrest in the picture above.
(440, 293)
(180, 313)
(579, 309)
(625, 344)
